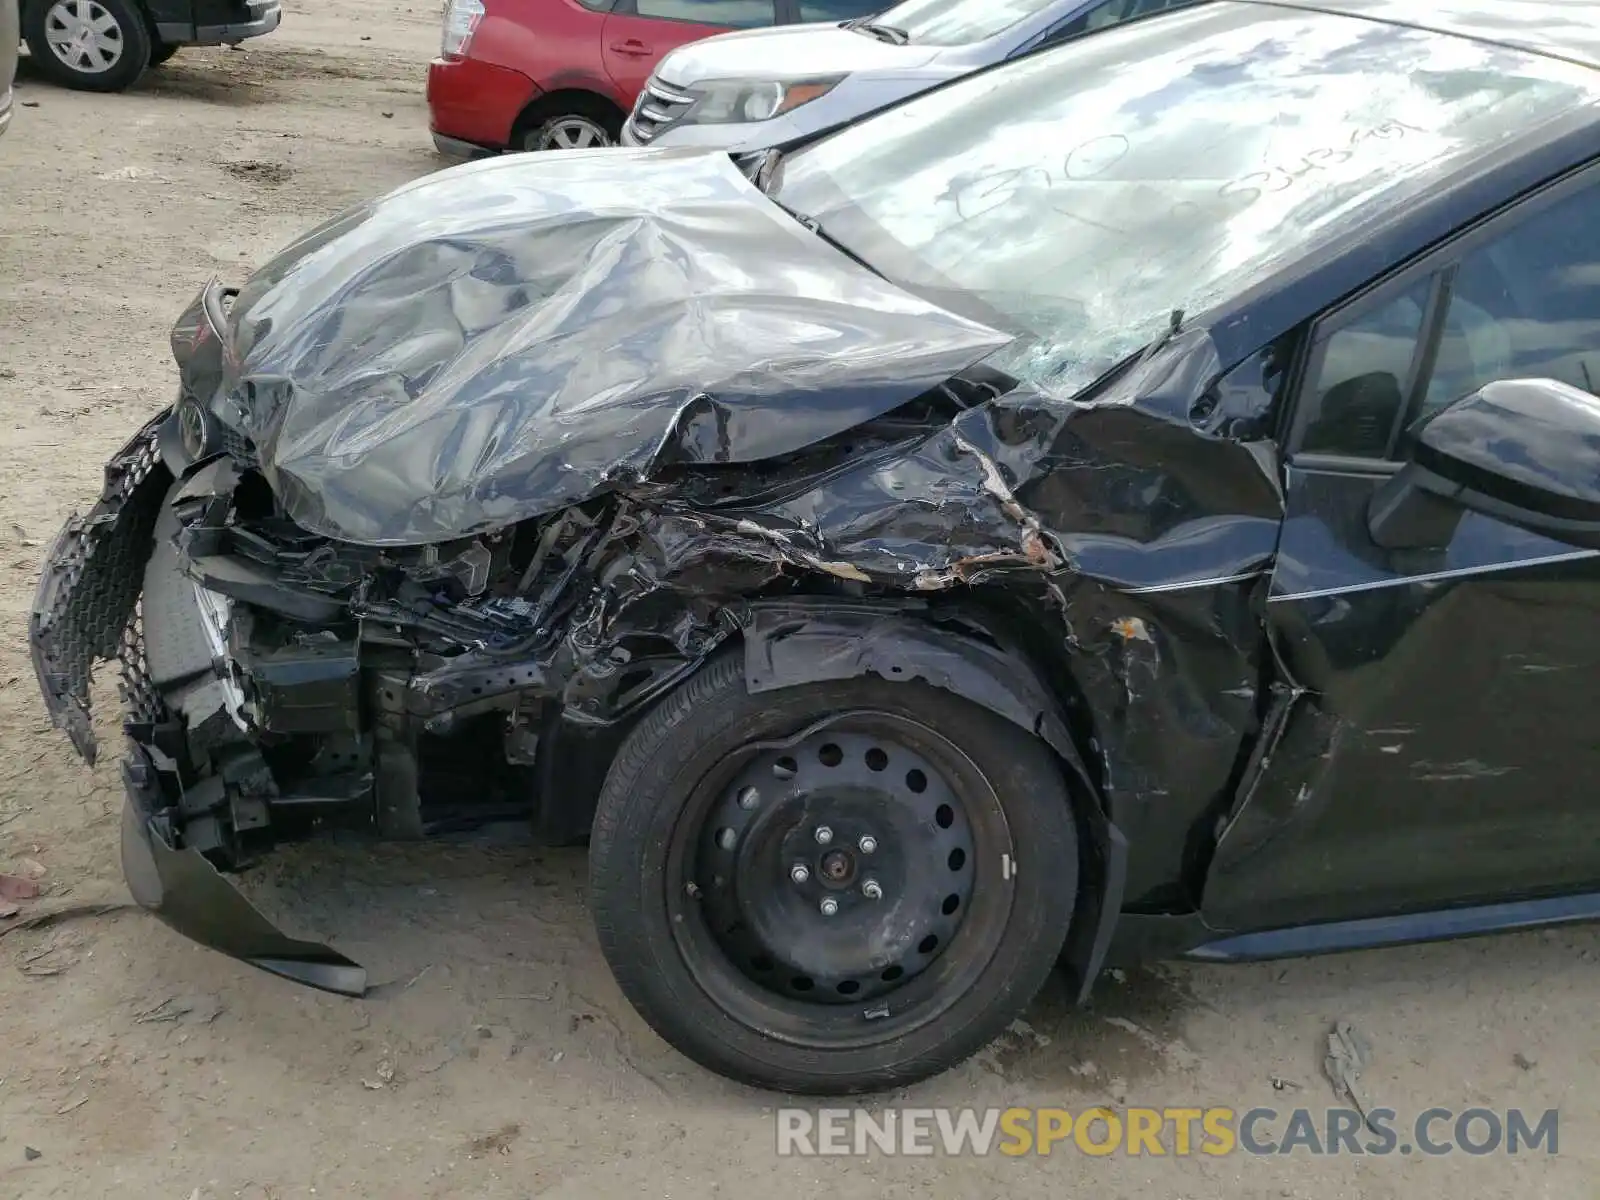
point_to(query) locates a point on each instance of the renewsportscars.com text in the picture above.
(1180, 1132)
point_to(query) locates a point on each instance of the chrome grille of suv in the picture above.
(658, 106)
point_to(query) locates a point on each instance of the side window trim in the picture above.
(1429, 338)
(1345, 464)
(1440, 261)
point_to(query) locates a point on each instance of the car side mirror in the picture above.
(1525, 451)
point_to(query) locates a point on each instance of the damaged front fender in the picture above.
(792, 644)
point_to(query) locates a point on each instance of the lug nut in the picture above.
(749, 798)
(829, 906)
(728, 839)
(824, 835)
(867, 844)
(871, 890)
(799, 873)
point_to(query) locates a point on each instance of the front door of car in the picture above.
(639, 32)
(1444, 748)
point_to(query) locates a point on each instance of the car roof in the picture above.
(1566, 29)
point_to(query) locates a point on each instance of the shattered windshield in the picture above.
(1080, 196)
(957, 22)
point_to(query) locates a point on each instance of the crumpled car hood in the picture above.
(505, 338)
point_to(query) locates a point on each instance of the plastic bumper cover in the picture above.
(473, 106)
(192, 897)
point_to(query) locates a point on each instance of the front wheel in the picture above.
(91, 45)
(835, 888)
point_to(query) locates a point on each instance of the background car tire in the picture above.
(643, 808)
(160, 52)
(118, 21)
(580, 125)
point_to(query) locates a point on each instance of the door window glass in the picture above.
(1526, 305)
(837, 10)
(739, 14)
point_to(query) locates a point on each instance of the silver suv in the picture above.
(758, 88)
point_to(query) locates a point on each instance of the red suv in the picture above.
(563, 74)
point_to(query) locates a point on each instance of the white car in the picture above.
(758, 88)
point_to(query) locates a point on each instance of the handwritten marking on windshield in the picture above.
(1284, 175)
(973, 197)
(1096, 156)
(998, 187)
(1086, 160)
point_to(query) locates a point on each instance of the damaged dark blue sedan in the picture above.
(1142, 500)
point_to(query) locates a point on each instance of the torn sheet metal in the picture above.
(1122, 489)
(504, 338)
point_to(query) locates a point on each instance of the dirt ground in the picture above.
(498, 1059)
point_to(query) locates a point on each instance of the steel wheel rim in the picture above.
(84, 36)
(890, 1008)
(573, 133)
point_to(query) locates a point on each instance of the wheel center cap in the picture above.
(837, 866)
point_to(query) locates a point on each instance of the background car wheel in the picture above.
(161, 51)
(836, 888)
(92, 45)
(578, 129)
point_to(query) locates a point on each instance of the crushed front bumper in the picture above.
(86, 610)
(189, 894)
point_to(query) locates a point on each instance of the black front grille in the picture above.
(659, 107)
(85, 608)
(141, 702)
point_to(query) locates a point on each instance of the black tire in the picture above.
(542, 129)
(127, 28)
(161, 51)
(683, 759)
